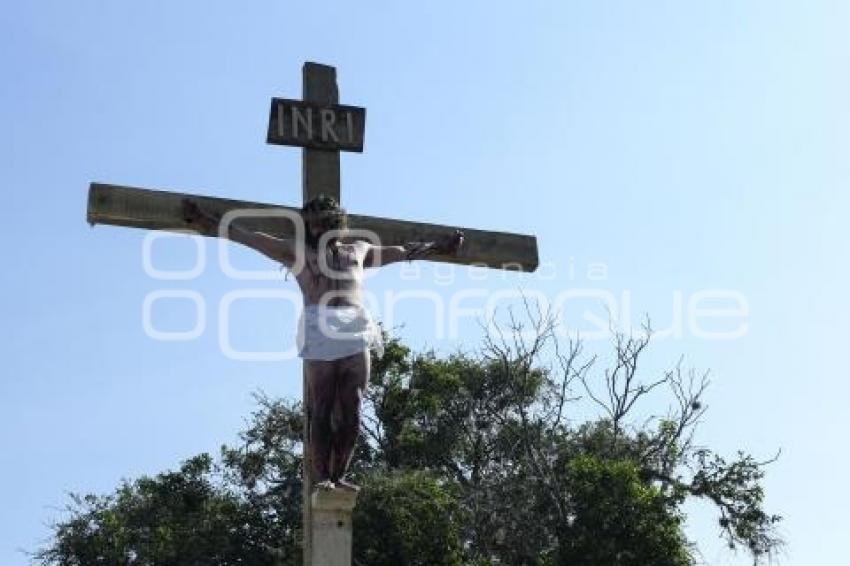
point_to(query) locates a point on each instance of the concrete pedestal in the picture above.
(331, 527)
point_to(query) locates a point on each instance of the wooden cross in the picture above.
(323, 128)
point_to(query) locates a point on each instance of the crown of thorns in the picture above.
(326, 209)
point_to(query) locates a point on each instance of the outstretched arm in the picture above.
(278, 249)
(377, 256)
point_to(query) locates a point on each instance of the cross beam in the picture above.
(161, 210)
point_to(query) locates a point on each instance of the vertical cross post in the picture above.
(327, 517)
(320, 167)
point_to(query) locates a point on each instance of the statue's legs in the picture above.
(353, 377)
(322, 377)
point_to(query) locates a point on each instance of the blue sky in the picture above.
(685, 146)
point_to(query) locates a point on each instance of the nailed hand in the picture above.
(450, 244)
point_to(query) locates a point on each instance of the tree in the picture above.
(175, 518)
(408, 518)
(531, 482)
(465, 459)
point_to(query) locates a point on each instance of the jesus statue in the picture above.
(336, 332)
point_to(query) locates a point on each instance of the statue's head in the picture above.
(321, 214)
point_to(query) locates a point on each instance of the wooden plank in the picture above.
(497, 250)
(305, 124)
(319, 175)
(161, 210)
(319, 167)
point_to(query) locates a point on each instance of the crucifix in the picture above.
(323, 128)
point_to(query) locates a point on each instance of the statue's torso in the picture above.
(336, 281)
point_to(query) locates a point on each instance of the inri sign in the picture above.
(304, 124)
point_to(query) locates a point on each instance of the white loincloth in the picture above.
(330, 333)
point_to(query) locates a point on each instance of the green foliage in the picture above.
(174, 518)
(408, 518)
(467, 459)
(618, 518)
